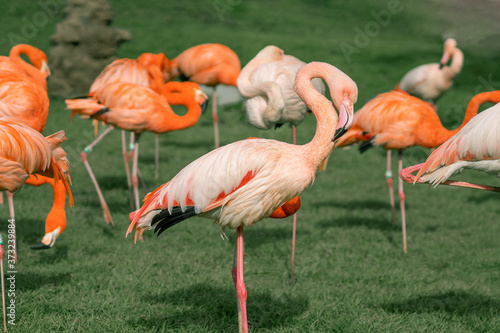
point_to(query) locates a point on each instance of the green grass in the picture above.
(350, 274)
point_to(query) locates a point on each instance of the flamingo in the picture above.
(476, 146)
(148, 70)
(23, 98)
(211, 65)
(243, 182)
(396, 120)
(430, 81)
(137, 109)
(38, 71)
(25, 151)
(267, 81)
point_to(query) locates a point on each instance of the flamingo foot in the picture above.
(48, 240)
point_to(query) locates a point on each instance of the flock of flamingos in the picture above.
(241, 183)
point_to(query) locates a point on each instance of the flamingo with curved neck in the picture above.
(137, 109)
(396, 120)
(37, 70)
(431, 81)
(244, 182)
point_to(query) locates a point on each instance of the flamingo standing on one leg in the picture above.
(430, 81)
(211, 65)
(137, 109)
(396, 120)
(38, 70)
(476, 146)
(242, 183)
(267, 83)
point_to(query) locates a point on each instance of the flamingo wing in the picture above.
(476, 145)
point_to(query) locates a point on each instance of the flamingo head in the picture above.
(269, 54)
(183, 92)
(449, 46)
(345, 108)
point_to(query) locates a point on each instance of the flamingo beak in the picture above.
(444, 59)
(346, 116)
(45, 68)
(202, 99)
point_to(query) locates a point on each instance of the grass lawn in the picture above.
(350, 272)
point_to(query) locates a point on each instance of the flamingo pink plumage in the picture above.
(38, 70)
(396, 120)
(211, 65)
(137, 109)
(244, 182)
(267, 83)
(476, 146)
(430, 81)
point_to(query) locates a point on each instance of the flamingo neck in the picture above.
(32, 71)
(176, 122)
(457, 61)
(326, 117)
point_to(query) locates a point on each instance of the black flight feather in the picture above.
(183, 77)
(98, 113)
(365, 145)
(165, 220)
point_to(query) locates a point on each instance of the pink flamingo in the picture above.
(243, 182)
(475, 146)
(211, 65)
(430, 81)
(267, 83)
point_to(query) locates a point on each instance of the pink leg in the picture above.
(388, 178)
(83, 156)
(127, 169)
(157, 156)
(10, 199)
(3, 285)
(1, 198)
(135, 181)
(239, 284)
(215, 119)
(402, 199)
(294, 139)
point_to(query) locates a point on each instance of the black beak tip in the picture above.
(339, 132)
(204, 106)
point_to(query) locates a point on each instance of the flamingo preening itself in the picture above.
(476, 146)
(244, 182)
(396, 120)
(430, 81)
(38, 70)
(137, 109)
(211, 65)
(267, 82)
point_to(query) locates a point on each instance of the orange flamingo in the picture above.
(148, 70)
(25, 151)
(430, 81)
(241, 183)
(475, 146)
(23, 98)
(137, 109)
(397, 120)
(211, 65)
(39, 70)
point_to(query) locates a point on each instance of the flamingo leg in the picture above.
(157, 155)
(135, 181)
(294, 140)
(131, 147)
(402, 199)
(215, 119)
(83, 156)
(3, 285)
(126, 159)
(10, 199)
(1, 198)
(239, 284)
(388, 178)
